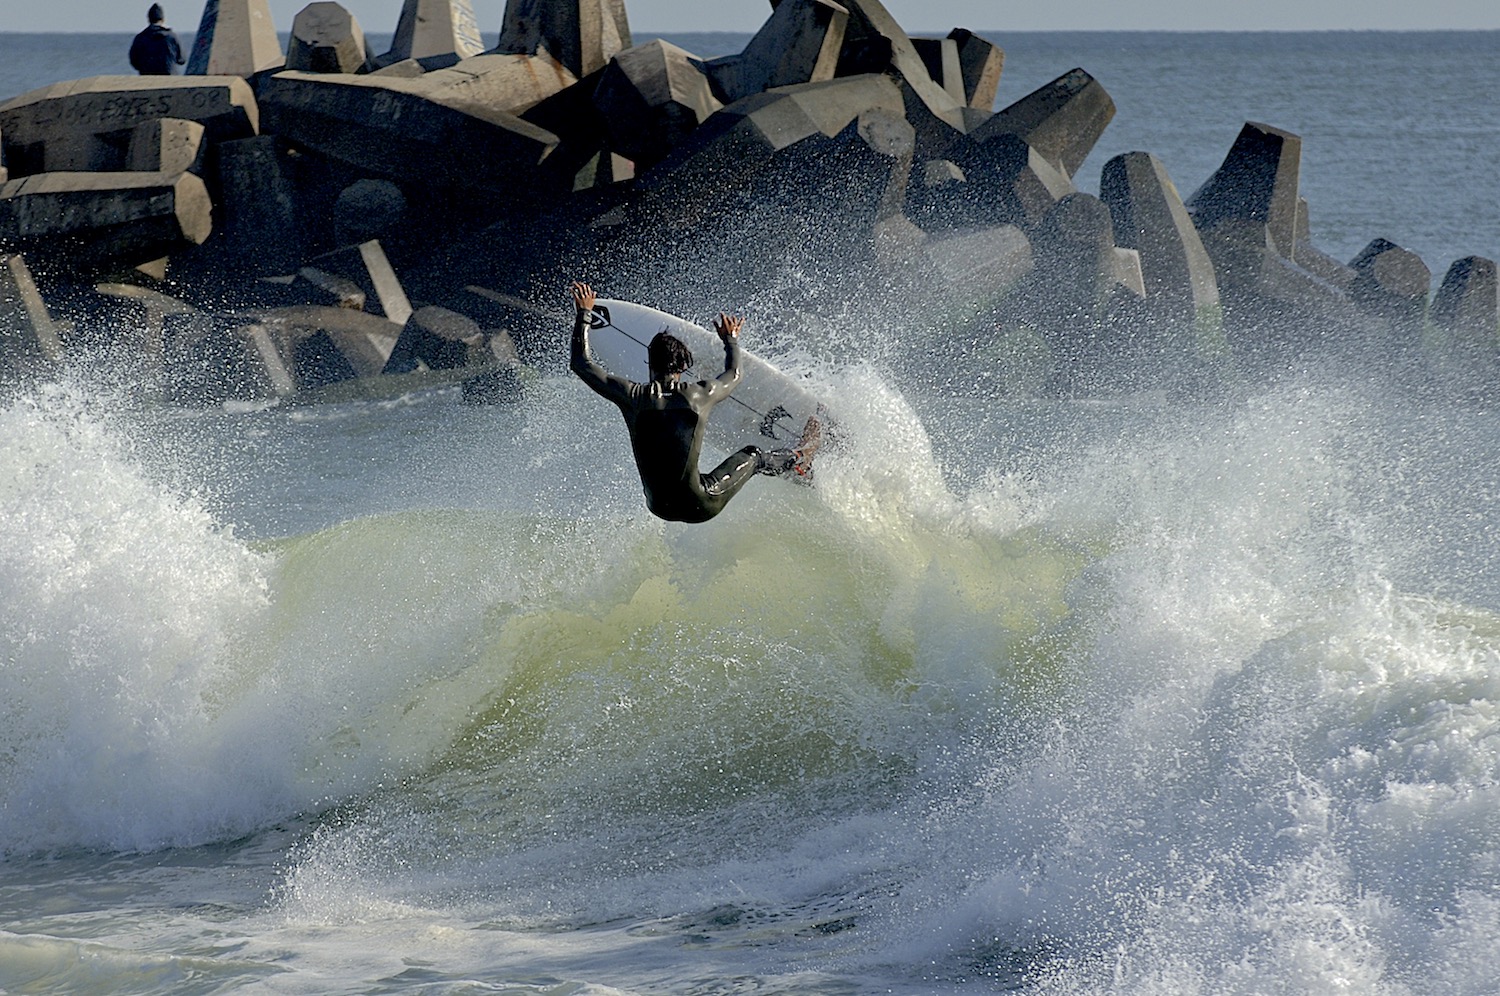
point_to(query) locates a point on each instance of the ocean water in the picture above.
(1129, 696)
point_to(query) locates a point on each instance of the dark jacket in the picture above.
(155, 51)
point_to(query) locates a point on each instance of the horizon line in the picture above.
(917, 31)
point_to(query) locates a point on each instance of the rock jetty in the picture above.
(328, 221)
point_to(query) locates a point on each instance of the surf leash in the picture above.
(599, 318)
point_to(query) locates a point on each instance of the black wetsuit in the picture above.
(155, 51)
(666, 420)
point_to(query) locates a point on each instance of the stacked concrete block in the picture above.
(527, 329)
(1274, 308)
(1314, 260)
(1247, 214)
(980, 264)
(1062, 120)
(785, 179)
(435, 33)
(326, 38)
(1075, 264)
(438, 339)
(325, 345)
(939, 173)
(743, 138)
(570, 115)
(1067, 297)
(799, 43)
(581, 34)
(1148, 216)
(235, 38)
(940, 56)
(209, 359)
(105, 217)
(652, 97)
(1393, 284)
(857, 178)
(366, 210)
(875, 43)
(166, 145)
(319, 287)
(140, 313)
(511, 84)
(499, 382)
(28, 336)
(1464, 347)
(980, 63)
(409, 130)
(261, 229)
(936, 190)
(1123, 272)
(602, 170)
(1006, 181)
(1257, 182)
(831, 136)
(86, 124)
(404, 69)
(1468, 302)
(367, 268)
(962, 281)
(752, 152)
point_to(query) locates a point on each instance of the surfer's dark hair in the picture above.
(668, 355)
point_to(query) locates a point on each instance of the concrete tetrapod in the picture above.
(105, 218)
(799, 43)
(581, 34)
(28, 335)
(85, 124)
(326, 38)
(1149, 217)
(235, 38)
(1062, 120)
(1258, 181)
(436, 33)
(408, 130)
(651, 97)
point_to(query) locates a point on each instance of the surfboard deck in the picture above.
(768, 408)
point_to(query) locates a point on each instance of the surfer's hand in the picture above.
(583, 296)
(728, 326)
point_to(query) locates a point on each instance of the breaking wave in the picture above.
(1190, 701)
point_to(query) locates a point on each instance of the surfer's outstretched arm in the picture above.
(728, 327)
(611, 386)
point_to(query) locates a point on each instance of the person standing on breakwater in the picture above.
(155, 51)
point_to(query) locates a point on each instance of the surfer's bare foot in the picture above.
(812, 438)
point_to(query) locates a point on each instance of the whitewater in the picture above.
(1129, 694)
(409, 696)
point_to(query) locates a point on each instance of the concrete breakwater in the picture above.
(324, 219)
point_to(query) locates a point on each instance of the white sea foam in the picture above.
(1156, 718)
(119, 601)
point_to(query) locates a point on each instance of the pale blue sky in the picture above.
(917, 16)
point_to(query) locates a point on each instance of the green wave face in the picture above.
(535, 667)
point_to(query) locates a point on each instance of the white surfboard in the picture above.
(768, 408)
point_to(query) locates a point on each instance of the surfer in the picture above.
(667, 418)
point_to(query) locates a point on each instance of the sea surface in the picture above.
(1056, 697)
